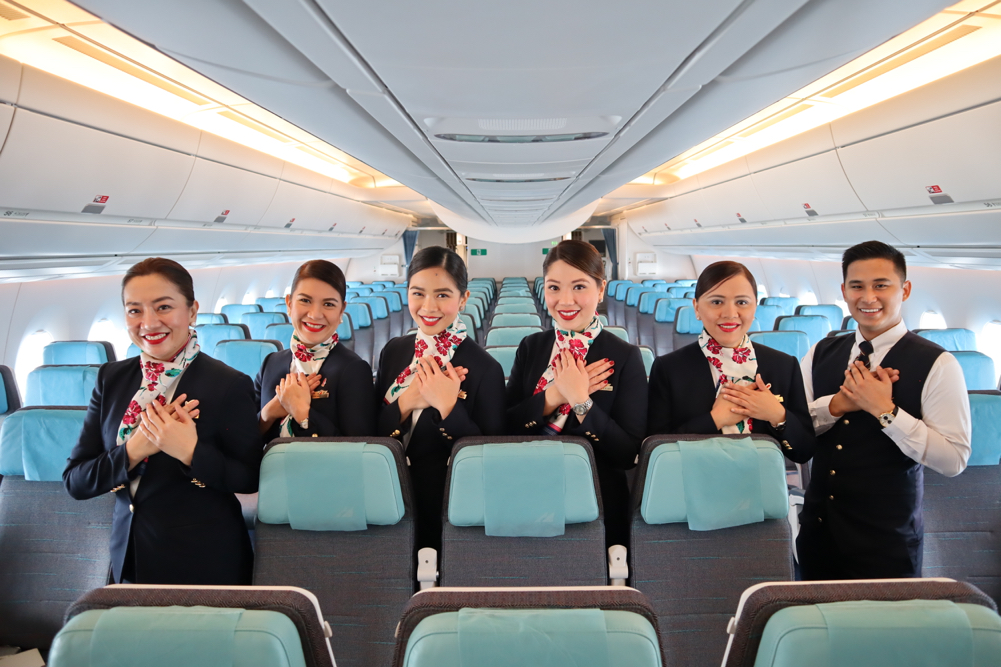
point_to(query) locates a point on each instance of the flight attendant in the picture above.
(316, 387)
(173, 435)
(576, 379)
(723, 383)
(437, 385)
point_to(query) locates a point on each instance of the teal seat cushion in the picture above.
(794, 343)
(36, 443)
(603, 320)
(258, 322)
(516, 320)
(685, 321)
(509, 335)
(178, 637)
(985, 442)
(634, 292)
(361, 314)
(280, 332)
(402, 291)
(688, 282)
(541, 638)
(666, 495)
(269, 303)
(953, 340)
(621, 332)
(378, 305)
(677, 291)
(468, 498)
(246, 356)
(385, 284)
(648, 301)
(524, 307)
(210, 334)
(978, 370)
(210, 318)
(393, 299)
(330, 486)
(505, 355)
(360, 290)
(665, 309)
(60, 385)
(788, 304)
(63, 352)
(621, 289)
(833, 313)
(767, 316)
(909, 633)
(233, 311)
(133, 351)
(345, 330)
(648, 358)
(849, 323)
(515, 299)
(816, 327)
(354, 283)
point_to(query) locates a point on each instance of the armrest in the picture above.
(618, 568)
(427, 567)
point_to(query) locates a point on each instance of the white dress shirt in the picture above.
(941, 439)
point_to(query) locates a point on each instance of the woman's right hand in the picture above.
(722, 415)
(412, 399)
(140, 447)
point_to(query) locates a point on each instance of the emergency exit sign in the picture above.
(545, 251)
(478, 251)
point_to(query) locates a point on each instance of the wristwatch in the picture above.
(304, 423)
(886, 418)
(582, 408)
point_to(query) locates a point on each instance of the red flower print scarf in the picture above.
(578, 343)
(731, 365)
(158, 379)
(306, 360)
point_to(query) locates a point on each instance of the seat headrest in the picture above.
(685, 321)
(330, 486)
(63, 352)
(522, 487)
(61, 385)
(35, 442)
(270, 317)
(715, 483)
(978, 370)
(953, 340)
(268, 303)
(767, 315)
(985, 415)
(280, 332)
(794, 343)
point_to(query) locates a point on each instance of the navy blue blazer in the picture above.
(185, 525)
(349, 408)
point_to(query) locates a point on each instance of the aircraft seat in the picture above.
(524, 511)
(686, 327)
(815, 327)
(61, 385)
(10, 397)
(246, 356)
(396, 311)
(210, 334)
(795, 343)
(648, 301)
(380, 331)
(402, 290)
(709, 519)
(509, 335)
(840, 332)
(954, 340)
(677, 291)
(77, 352)
(232, 311)
(335, 516)
(613, 285)
(978, 369)
(211, 318)
(257, 323)
(507, 291)
(622, 288)
(269, 303)
(515, 299)
(345, 331)
(516, 320)
(665, 308)
(963, 513)
(651, 282)
(603, 320)
(354, 283)
(588, 627)
(515, 308)
(832, 312)
(51, 547)
(281, 332)
(363, 333)
(504, 354)
(788, 304)
(361, 290)
(185, 625)
(467, 319)
(634, 292)
(688, 282)
(475, 309)
(619, 331)
(648, 358)
(892, 622)
(849, 323)
(385, 284)
(767, 315)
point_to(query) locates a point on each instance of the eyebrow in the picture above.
(439, 290)
(739, 296)
(309, 296)
(162, 298)
(874, 280)
(575, 280)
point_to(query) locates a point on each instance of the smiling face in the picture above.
(874, 292)
(572, 296)
(727, 310)
(434, 299)
(315, 309)
(157, 315)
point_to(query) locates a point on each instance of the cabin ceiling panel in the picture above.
(10, 79)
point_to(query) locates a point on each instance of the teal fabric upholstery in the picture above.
(685, 321)
(60, 385)
(467, 319)
(345, 330)
(476, 310)
(515, 299)
(504, 354)
(281, 333)
(833, 313)
(985, 415)
(378, 481)
(63, 352)
(690, 294)
(258, 322)
(281, 308)
(392, 297)
(677, 291)
(232, 311)
(377, 304)
(722, 483)
(467, 496)
(978, 369)
(954, 340)
(402, 291)
(688, 282)
(543, 638)
(210, 334)
(361, 290)
(666, 496)
(755, 325)
(523, 489)
(361, 314)
(621, 332)
(816, 327)
(516, 320)
(515, 308)
(334, 501)
(509, 335)
(614, 285)
(664, 286)
(246, 356)
(910, 633)
(767, 316)
(133, 351)
(648, 358)
(269, 303)
(178, 636)
(36, 442)
(634, 292)
(849, 323)
(621, 289)
(354, 283)
(648, 300)
(210, 318)
(385, 284)
(788, 304)
(794, 343)
(603, 320)
(665, 309)
(528, 638)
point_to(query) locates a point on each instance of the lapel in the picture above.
(701, 388)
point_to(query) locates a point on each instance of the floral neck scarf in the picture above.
(578, 343)
(306, 360)
(158, 379)
(731, 365)
(441, 347)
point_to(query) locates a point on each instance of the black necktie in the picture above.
(864, 350)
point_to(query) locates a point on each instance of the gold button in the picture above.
(132, 508)
(587, 433)
(846, 422)
(832, 472)
(830, 497)
(821, 520)
(838, 447)
(315, 435)
(441, 428)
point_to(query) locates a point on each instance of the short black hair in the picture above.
(324, 271)
(718, 273)
(873, 250)
(580, 255)
(169, 269)
(435, 257)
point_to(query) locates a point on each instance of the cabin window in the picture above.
(106, 330)
(808, 299)
(269, 294)
(248, 299)
(29, 356)
(762, 292)
(288, 290)
(989, 343)
(931, 320)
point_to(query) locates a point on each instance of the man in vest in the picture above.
(885, 403)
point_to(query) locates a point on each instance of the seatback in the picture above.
(788, 304)
(360, 290)
(978, 370)
(385, 284)
(515, 299)
(504, 354)
(10, 397)
(832, 312)
(233, 311)
(509, 335)
(665, 309)
(210, 334)
(402, 291)
(346, 329)
(814, 326)
(621, 289)
(378, 305)
(211, 318)
(648, 301)
(849, 323)
(767, 315)
(613, 285)
(963, 513)
(392, 297)
(688, 282)
(794, 343)
(652, 282)
(516, 320)
(953, 340)
(268, 303)
(132, 351)
(621, 332)
(467, 319)
(281, 626)
(694, 577)
(246, 356)
(525, 510)
(677, 291)
(514, 308)
(52, 548)
(596, 626)
(340, 509)
(258, 323)
(648, 358)
(361, 314)
(686, 327)
(634, 292)
(77, 352)
(61, 385)
(281, 332)
(788, 623)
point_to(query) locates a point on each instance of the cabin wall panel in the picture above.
(366, 268)
(8, 298)
(503, 259)
(6, 116)
(670, 265)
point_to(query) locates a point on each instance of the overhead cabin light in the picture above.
(62, 39)
(518, 180)
(521, 138)
(956, 38)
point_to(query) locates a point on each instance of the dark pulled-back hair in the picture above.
(324, 271)
(720, 272)
(435, 257)
(578, 254)
(874, 250)
(169, 269)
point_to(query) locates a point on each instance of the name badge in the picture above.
(320, 393)
(607, 387)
